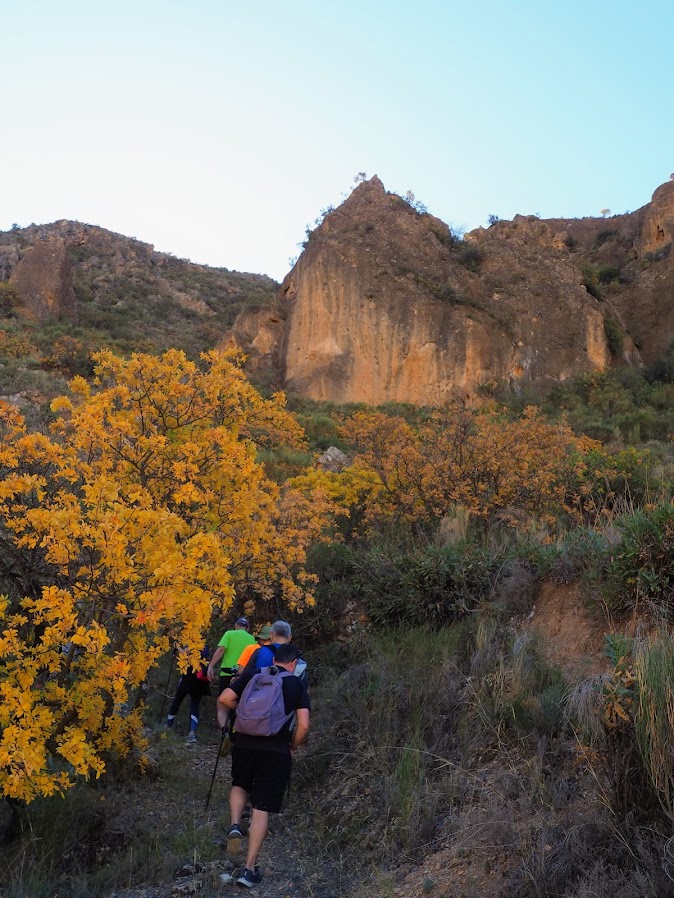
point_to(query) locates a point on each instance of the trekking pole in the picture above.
(166, 688)
(215, 769)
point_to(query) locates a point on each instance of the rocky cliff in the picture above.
(387, 304)
(43, 278)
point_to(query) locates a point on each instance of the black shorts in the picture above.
(263, 774)
(223, 682)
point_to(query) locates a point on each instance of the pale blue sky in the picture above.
(218, 130)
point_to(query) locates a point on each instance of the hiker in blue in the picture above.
(264, 656)
(273, 721)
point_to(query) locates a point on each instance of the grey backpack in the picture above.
(261, 709)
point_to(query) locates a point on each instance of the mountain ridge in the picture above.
(385, 303)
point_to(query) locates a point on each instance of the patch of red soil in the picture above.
(572, 635)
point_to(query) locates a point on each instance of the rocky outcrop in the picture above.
(333, 459)
(258, 333)
(658, 226)
(385, 305)
(645, 303)
(43, 279)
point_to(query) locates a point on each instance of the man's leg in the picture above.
(272, 774)
(223, 683)
(237, 802)
(257, 831)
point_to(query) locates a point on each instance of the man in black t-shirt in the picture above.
(261, 765)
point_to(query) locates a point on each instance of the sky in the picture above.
(218, 131)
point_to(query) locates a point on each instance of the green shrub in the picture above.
(641, 566)
(604, 236)
(321, 430)
(582, 555)
(619, 404)
(608, 273)
(434, 586)
(615, 339)
(470, 256)
(662, 369)
(590, 280)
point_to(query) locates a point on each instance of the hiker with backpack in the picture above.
(273, 711)
(278, 634)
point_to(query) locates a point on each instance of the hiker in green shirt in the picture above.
(227, 653)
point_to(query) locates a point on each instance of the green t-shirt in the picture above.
(234, 642)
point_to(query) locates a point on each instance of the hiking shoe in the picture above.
(191, 739)
(250, 878)
(234, 840)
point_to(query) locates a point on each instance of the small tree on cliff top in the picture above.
(120, 531)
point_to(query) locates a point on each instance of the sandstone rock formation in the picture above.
(43, 279)
(658, 226)
(386, 305)
(646, 303)
(258, 332)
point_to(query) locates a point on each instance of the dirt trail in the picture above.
(291, 868)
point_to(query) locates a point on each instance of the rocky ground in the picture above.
(292, 864)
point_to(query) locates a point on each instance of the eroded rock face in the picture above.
(258, 333)
(658, 226)
(43, 279)
(645, 304)
(383, 305)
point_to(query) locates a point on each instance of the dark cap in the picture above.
(242, 622)
(286, 653)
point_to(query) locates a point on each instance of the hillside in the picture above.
(488, 636)
(67, 288)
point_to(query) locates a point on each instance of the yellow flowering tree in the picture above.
(121, 529)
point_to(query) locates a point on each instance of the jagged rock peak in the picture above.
(385, 304)
(373, 184)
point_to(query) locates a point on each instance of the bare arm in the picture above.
(217, 655)
(302, 728)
